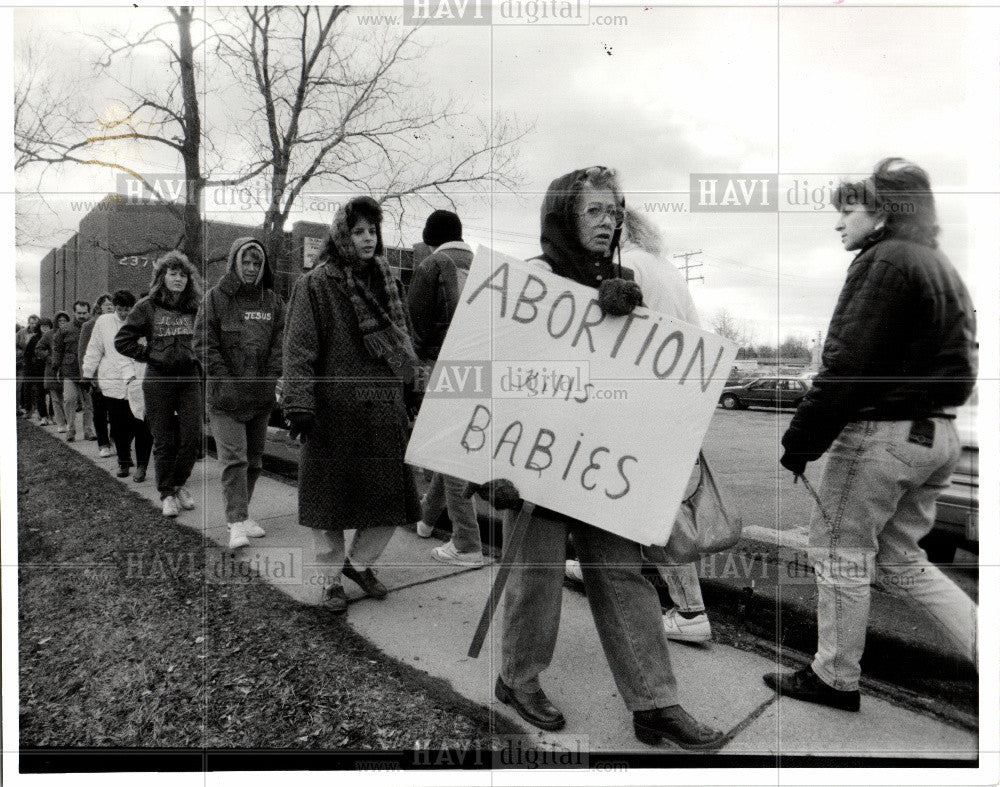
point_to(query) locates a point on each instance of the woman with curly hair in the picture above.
(159, 332)
(347, 352)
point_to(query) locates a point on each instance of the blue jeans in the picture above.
(879, 491)
(683, 585)
(240, 447)
(625, 606)
(447, 491)
(73, 395)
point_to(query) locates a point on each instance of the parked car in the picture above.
(956, 524)
(764, 392)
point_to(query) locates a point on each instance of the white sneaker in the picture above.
(696, 629)
(252, 529)
(171, 506)
(185, 499)
(424, 530)
(105, 452)
(446, 553)
(238, 535)
(573, 571)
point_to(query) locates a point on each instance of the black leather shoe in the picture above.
(806, 685)
(124, 471)
(140, 474)
(533, 707)
(366, 580)
(335, 600)
(677, 726)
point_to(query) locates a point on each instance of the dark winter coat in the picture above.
(34, 367)
(238, 336)
(43, 352)
(901, 346)
(351, 472)
(169, 334)
(433, 296)
(65, 344)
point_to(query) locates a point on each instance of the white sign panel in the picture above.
(594, 416)
(311, 247)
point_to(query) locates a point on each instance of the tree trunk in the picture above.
(195, 184)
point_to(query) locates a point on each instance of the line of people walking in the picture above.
(899, 357)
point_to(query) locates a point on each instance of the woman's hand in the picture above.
(619, 297)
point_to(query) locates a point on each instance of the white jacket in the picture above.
(112, 369)
(663, 287)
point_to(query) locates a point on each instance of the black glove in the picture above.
(299, 423)
(498, 492)
(794, 462)
(619, 297)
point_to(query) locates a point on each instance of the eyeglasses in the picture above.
(595, 213)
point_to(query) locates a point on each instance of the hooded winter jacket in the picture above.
(238, 336)
(561, 247)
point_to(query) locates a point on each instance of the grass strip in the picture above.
(124, 643)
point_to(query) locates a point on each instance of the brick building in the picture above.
(118, 241)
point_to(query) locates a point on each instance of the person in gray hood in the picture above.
(238, 335)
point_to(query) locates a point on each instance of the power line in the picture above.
(687, 266)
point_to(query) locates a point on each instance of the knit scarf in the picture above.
(386, 335)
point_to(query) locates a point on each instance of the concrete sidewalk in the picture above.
(432, 610)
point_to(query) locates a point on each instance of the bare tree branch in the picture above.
(339, 110)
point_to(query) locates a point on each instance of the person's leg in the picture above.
(40, 405)
(903, 568)
(532, 602)
(70, 394)
(58, 407)
(187, 401)
(120, 418)
(433, 504)
(231, 448)
(88, 415)
(683, 586)
(462, 513)
(859, 493)
(256, 432)
(143, 442)
(626, 609)
(330, 556)
(101, 418)
(368, 545)
(159, 398)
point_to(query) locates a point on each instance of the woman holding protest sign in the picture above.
(347, 351)
(663, 290)
(582, 217)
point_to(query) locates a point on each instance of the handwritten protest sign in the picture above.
(594, 416)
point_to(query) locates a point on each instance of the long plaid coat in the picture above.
(351, 472)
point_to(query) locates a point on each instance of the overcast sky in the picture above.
(814, 94)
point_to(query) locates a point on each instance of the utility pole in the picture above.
(686, 267)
